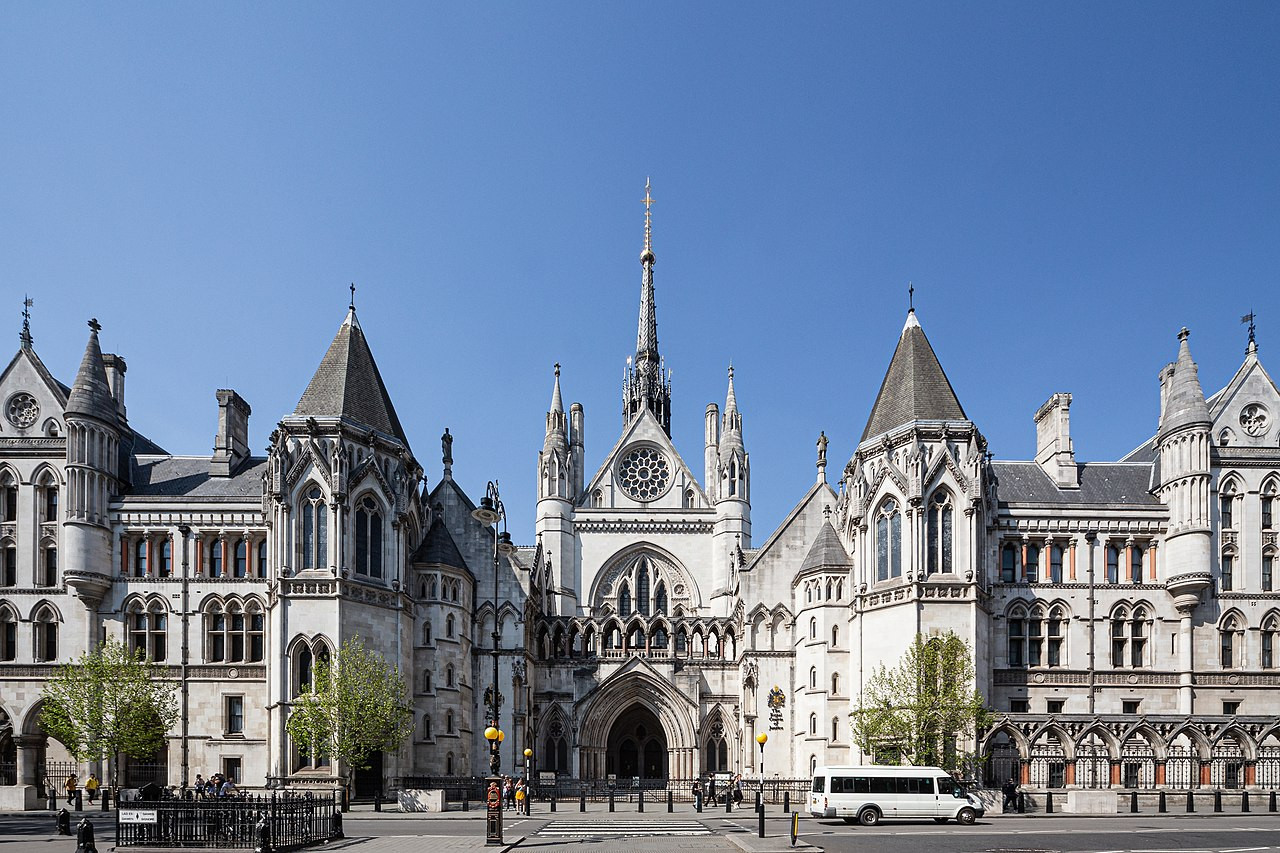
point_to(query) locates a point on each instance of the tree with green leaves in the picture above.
(110, 702)
(355, 706)
(923, 709)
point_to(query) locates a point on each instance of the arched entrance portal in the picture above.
(637, 746)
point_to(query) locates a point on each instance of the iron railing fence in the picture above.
(295, 821)
(471, 788)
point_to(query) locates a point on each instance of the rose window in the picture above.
(1254, 419)
(22, 410)
(644, 473)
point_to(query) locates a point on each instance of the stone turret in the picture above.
(559, 485)
(732, 532)
(93, 442)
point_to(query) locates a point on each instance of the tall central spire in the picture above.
(644, 386)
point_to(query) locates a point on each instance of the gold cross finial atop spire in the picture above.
(648, 220)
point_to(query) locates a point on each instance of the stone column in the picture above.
(1160, 772)
(30, 752)
(1186, 642)
(1069, 773)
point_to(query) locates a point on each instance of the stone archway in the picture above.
(637, 747)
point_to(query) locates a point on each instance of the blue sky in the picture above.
(1065, 184)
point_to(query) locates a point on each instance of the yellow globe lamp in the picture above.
(501, 736)
(762, 738)
(528, 753)
(491, 734)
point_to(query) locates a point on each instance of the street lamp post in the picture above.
(528, 778)
(761, 739)
(489, 513)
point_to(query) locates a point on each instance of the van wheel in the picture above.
(869, 817)
(967, 817)
(941, 819)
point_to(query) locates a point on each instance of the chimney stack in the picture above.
(231, 446)
(115, 378)
(1054, 452)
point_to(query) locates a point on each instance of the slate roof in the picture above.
(1100, 483)
(90, 393)
(827, 552)
(347, 384)
(915, 387)
(188, 477)
(438, 547)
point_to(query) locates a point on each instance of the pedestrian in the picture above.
(737, 789)
(1010, 792)
(509, 793)
(228, 788)
(72, 784)
(91, 785)
(198, 786)
(711, 789)
(697, 789)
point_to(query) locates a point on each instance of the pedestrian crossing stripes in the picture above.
(621, 828)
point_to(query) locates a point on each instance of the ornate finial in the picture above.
(911, 296)
(822, 456)
(826, 511)
(446, 448)
(648, 220)
(95, 325)
(1184, 333)
(557, 370)
(25, 337)
(731, 371)
(1253, 343)
(353, 296)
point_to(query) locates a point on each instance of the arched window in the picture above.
(624, 600)
(46, 634)
(165, 564)
(1113, 564)
(716, 750)
(813, 724)
(1057, 621)
(140, 558)
(148, 630)
(368, 539)
(426, 633)
(449, 626)
(315, 534)
(262, 559)
(835, 635)
(813, 629)
(48, 497)
(1135, 564)
(448, 722)
(813, 764)
(215, 558)
(1228, 645)
(1227, 502)
(1009, 563)
(1268, 568)
(241, 566)
(941, 533)
(448, 764)
(256, 632)
(1055, 564)
(642, 588)
(236, 633)
(835, 684)
(304, 664)
(1226, 580)
(8, 634)
(426, 681)
(426, 727)
(660, 599)
(1270, 629)
(1129, 634)
(888, 541)
(835, 728)
(1268, 505)
(1033, 563)
(1017, 636)
(10, 567)
(813, 677)
(448, 676)
(9, 495)
(49, 565)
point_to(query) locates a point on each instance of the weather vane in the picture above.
(26, 320)
(1249, 318)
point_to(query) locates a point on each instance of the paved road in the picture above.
(1064, 834)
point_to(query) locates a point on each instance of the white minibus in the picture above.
(871, 794)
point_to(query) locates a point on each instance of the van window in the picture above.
(914, 785)
(883, 785)
(819, 783)
(946, 786)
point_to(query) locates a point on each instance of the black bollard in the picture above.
(377, 801)
(1163, 805)
(671, 803)
(466, 802)
(52, 800)
(335, 824)
(1271, 802)
(1133, 802)
(84, 837)
(582, 801)
(553, 800)
(760, 817)
(62, 820)
(79, 799)
(1048, 802)
(697, 801)
(1244, 801)
(786, 802)
(1191, 801)
(346, 799)
(641, 801)
(1217, 799)
(106, 798)
(1022, 803)
(728, 802)
(611, 800)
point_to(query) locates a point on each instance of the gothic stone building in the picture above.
(1123, 615)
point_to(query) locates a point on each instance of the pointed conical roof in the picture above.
(347, 384)
(827, 552)
(438, 547)
(91, 394)
(731, 434)
(1184, 403)
(915, 387)
(557, 402)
